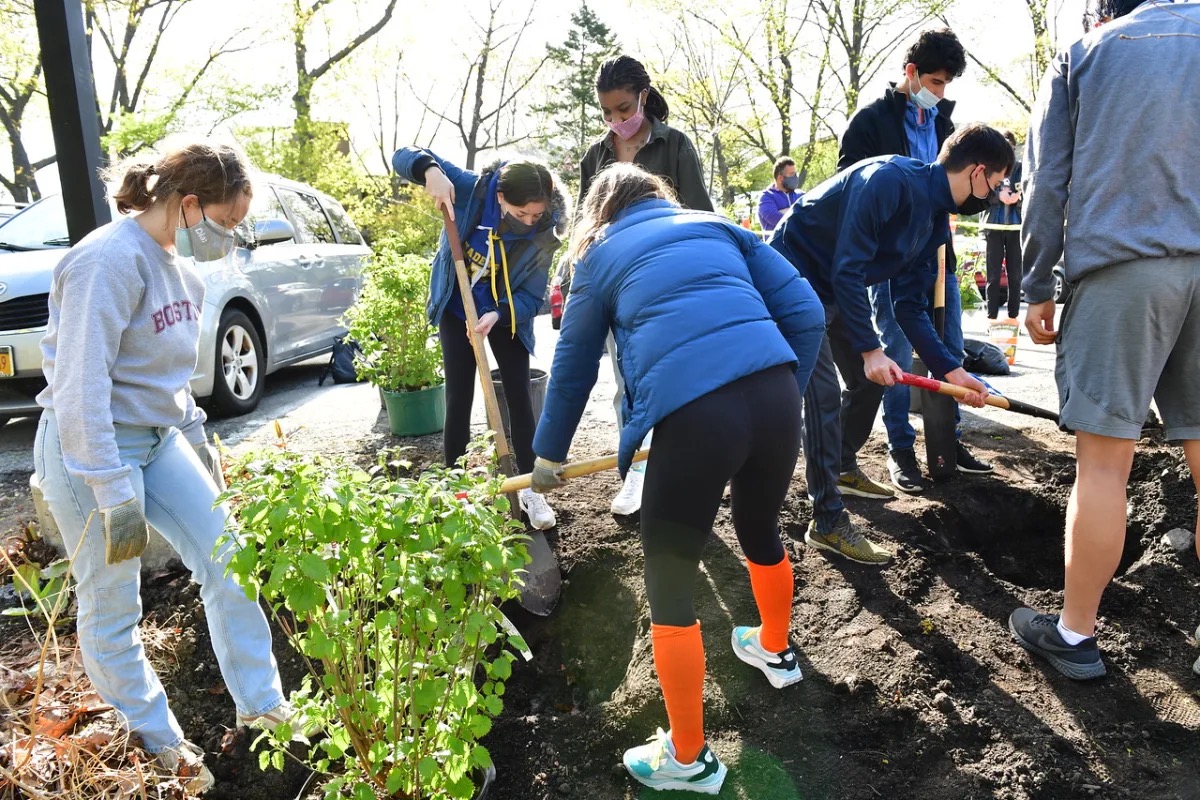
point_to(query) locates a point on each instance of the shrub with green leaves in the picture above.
(400, 350)
(388, 587)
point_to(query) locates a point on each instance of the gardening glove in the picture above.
(125, 531)
(547, 475)
(210, 457)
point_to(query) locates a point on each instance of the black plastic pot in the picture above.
(484, 779)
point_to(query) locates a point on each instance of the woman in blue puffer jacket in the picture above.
(511, 218)
(716, 336)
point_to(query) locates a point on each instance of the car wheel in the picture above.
(1062, 289)
(238, 376)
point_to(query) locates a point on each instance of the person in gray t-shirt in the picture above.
(1114, 133)
(121, 443)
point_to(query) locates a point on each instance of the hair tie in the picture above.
(151, 170)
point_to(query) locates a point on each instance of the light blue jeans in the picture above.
(177, 494)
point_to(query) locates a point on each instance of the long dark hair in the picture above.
(626, 72)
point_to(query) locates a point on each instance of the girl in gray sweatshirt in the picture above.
(121, 442)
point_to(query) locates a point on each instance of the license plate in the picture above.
(7, 369)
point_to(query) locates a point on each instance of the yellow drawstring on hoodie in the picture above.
(512, 309)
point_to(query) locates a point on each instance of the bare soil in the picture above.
(913, 688)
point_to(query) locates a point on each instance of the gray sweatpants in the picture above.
(1131, 332)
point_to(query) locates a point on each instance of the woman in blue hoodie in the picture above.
(510, 218)
(716, 335)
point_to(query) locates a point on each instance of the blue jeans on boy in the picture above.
(901, 435)
(177, 495)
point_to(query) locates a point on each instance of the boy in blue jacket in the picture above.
(882, 219)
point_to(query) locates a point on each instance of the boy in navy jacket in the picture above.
(881, 220)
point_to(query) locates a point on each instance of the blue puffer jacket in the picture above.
(694, 301)
(528, 259)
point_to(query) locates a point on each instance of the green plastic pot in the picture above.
(416, 413)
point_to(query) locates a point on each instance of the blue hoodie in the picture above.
(694, 302)
(882, 219)
(475, 207)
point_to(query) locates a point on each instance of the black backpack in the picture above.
(341, 362)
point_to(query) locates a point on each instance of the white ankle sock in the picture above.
(1069, 636)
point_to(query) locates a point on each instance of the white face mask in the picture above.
(922, 98)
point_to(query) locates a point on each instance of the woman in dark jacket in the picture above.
(510, 218)
(716, 336)
(636, 114)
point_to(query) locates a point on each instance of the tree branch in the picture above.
(356, 43)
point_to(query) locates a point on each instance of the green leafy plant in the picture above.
(388, 587)
(45, 587)
(400, 350)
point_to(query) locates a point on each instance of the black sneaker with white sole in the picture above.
(967, 462)
(1038, 633)
(905, 472)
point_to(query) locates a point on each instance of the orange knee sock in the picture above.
(679, 660)
(772, 588)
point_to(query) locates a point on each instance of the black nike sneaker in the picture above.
(1038, 633)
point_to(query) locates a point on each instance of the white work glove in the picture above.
(125, 531)
(546, 475)
(211, 459)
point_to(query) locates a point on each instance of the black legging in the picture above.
(458, 361)
(747, 434)
(1003, 247)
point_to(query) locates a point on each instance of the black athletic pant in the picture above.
(746, 434)
(1003, 247)
(860, 399)
(458, 361)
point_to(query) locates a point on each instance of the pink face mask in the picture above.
(627, 129)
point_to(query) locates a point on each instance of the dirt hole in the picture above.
(1017, 533)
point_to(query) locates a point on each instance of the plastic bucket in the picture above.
(538, 379)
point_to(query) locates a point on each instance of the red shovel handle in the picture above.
(941, 387)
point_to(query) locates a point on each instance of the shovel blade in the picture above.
(941, 441)
(543, 580)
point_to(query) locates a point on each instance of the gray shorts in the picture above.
(1129, 333)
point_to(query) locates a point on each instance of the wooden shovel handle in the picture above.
(491, 403)
(575, 469)
(941, 387)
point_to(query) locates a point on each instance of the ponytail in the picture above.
(134, 192)
(656, 104)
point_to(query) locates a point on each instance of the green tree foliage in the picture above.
(20, 82)
(572, 118)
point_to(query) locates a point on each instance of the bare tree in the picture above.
(868, 32)
(482, 126)
(304, 12)
(20, 82)
(1042, 14)
(131, 33)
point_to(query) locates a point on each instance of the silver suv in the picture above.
(280, 301)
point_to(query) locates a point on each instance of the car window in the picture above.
(264, 205)
(311, 223)
(347, 233)
(40, 226)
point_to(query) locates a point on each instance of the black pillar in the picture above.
(68, 71)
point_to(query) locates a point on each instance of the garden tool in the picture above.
(941, 439)
(575, 469)
(543, 581)
(999, 401)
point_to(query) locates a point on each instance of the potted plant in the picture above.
(389, 588)
(401, 354)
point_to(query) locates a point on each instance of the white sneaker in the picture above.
(186, 762)
(541, 515)
(629, 499)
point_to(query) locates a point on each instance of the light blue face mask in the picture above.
(204, 241)
(922, 98)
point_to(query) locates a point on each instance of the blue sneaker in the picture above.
(654, 765)
(781, 669)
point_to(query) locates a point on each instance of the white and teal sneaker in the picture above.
(781, 669)
(654, 765)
